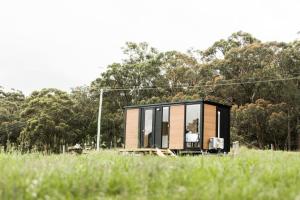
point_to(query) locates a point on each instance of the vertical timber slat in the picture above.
(176, 127)
(132, 128)
(209, 123)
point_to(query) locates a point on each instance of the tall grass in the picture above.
(108, 175)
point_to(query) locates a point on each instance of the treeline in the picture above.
(260, 80)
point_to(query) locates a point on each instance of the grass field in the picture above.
(108, 175)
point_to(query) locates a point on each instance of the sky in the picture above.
(68, 43)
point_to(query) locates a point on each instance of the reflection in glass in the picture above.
(165, 128)
(148, 128)
(192, 128)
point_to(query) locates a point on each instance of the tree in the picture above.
(263, 123)
(47, 114)
(10, 122)
(140, 69)
(220, 48)
(84, 119)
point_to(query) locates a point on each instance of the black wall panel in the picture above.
(225, 126)
(157, 126)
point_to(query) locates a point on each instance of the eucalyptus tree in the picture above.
(47, 114)
(83, 121)
(139, 69)
(263, 123)
(246, 65)
(10, 122)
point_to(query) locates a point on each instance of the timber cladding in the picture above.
(132, 128)
(210, 117)
(176, 127)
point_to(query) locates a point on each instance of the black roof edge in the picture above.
(180, 102)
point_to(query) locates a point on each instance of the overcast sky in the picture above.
(68, 43)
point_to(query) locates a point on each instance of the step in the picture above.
(157, 151)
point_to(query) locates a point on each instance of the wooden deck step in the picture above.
(159, 152)
(154, 151)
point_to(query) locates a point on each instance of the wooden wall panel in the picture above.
(176, 127)
(209, 124)
(132, 128)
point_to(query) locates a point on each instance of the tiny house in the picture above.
(182, 126)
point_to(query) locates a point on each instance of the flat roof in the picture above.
(179, 102)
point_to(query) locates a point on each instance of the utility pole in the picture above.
(99, 120)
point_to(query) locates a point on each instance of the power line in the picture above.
(206, 85)
(160, 87)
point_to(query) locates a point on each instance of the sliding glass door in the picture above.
(147, 134)
(155, 127)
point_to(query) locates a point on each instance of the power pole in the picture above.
(99, 120)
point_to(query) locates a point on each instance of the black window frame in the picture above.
(201, 121)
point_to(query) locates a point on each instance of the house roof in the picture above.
(180, 102)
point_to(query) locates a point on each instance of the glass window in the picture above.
(148, 128)
(192, 125)
(165, 128)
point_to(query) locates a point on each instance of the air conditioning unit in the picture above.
(216, 143)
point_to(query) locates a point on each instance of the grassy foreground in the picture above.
(108, 175)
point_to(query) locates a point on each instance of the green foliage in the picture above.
(84, 116)
(232, 70)
(47, 114)
(10, 122)
(262, 123)
(107, 175)
(220, 48)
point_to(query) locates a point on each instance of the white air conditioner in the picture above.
(216, 143)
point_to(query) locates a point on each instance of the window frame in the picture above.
(142, 126)
(200, 125)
